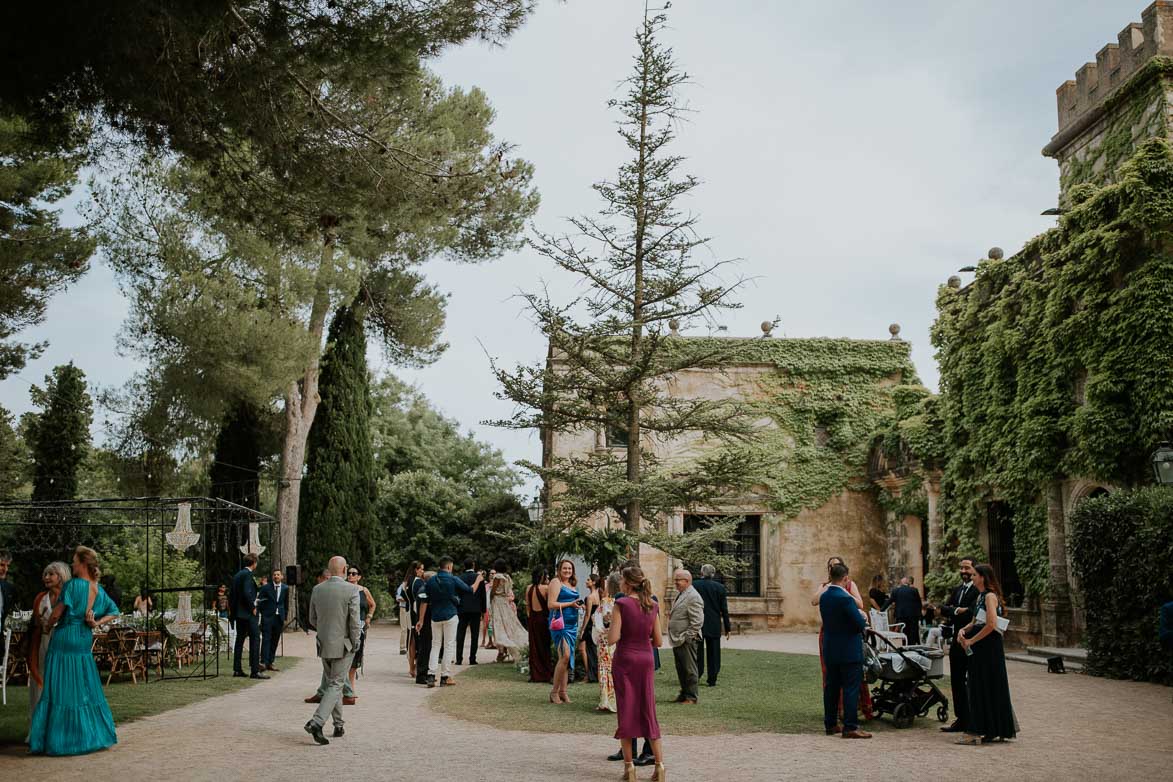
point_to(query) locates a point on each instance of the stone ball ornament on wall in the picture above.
(1163, 464)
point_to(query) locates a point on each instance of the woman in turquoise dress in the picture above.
(72, 717)
(564, 603)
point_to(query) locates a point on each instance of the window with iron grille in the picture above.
(745, 548)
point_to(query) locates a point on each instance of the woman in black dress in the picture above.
(991, 716)
(876, 595)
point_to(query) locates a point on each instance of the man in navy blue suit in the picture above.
(242, 598)
(843, 625)
(274, 607)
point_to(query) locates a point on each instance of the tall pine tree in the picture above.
(59, 436)
(613, 357)
(338, 491)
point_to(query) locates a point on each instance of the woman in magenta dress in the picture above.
(635, 630)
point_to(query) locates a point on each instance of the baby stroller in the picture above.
(905, 675)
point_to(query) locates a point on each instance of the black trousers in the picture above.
(251, 627)
(463, 623)
(708, 652)
(958, 672)
(911, 629)
(272, 636)
(423, 649)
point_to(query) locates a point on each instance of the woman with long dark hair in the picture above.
(541, 666)
(586, 644)
(563, 599)
(991, 715)
(635, 631)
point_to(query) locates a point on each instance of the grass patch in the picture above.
(758, 692)
(128, 701)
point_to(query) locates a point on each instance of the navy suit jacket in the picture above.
(269, 605)
(9, 598)
(716, 599)
(471, 603)
(243, 595)
(907, 602)
(843, 626)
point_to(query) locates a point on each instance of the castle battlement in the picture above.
(1115, 64)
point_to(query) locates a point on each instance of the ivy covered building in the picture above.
(1057, 363)
(817, 403)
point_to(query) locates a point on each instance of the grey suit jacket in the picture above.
(334, 614)
(687, 617)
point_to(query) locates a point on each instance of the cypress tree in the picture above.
(235, 476)
(338, 491)
(59, 436)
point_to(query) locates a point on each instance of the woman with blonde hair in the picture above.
(72, 716)
(54, 577)
(602, 621)
(509, 635)
(635, 630)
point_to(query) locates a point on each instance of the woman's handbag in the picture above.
(558, 623)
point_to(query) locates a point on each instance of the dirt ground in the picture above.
(1074, 727)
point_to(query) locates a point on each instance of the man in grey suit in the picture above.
(685, 621)
(334, 613)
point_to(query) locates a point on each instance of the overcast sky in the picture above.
(854, 154)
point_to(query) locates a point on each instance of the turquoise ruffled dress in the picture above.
(72, 717)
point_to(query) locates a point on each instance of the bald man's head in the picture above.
(337, 566)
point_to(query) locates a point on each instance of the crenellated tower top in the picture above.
(1117, 101)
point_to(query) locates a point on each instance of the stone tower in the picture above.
(1116, 102)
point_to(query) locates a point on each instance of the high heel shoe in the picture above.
(661, 774)
(629, 773)
(555, 698)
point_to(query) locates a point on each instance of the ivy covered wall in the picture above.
(819, 408)
(1058, 362)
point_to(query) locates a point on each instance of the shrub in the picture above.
(1122, 549)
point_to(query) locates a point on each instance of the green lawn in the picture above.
(129, 701)
(758, 692)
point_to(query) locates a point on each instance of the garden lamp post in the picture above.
(535, 510)
(1163, 464)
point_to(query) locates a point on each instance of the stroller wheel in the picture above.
(903, 716)
(943, 713)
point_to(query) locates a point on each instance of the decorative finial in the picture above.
(894, 330)
(674, 325)
(954, 282)
(767, 328)
(995, 254)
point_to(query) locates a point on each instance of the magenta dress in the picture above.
(633, 669)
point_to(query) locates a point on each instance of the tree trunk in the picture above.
(301, 404)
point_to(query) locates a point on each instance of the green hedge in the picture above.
(1122, 549)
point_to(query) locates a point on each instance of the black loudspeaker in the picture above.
(293, 575)
(1055, 665)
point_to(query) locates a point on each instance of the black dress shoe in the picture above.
(680, 699)
(711, 684)
(259, 676)
(339, 732)
(954, 728)
(644, 760)
(239, 673)
(617, 756)
(316, 732)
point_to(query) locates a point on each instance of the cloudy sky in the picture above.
(853, 154)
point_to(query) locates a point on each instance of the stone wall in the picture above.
(1116, 102)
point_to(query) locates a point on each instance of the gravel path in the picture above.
(1074, 727)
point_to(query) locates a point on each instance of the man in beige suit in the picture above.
(334, 613)
(685, 621)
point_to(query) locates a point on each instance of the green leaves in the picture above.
(1058, 362)
(1126, 581)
